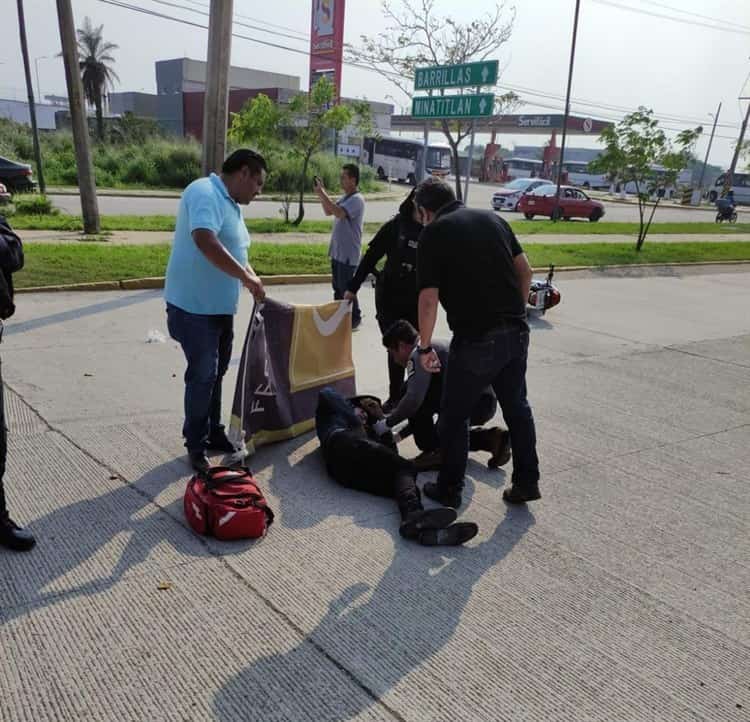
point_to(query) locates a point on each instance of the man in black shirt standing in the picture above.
(471, 262)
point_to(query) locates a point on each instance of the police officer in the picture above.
(421, 402)
(472, 264)
(396, 287)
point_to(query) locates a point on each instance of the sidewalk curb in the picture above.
(156, 282)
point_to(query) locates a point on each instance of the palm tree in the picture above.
(94, 60)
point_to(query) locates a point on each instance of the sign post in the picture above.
(454, 107)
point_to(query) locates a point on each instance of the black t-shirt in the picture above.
(468, 255)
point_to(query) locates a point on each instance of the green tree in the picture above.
(416, 36)
(259, 123)
(307, 122)
(95, 63)
(637, 151)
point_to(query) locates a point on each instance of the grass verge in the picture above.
(56, 264)
(276, 225)
(165, 224)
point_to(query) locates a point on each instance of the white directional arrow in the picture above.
(482, 105)
(485, 73)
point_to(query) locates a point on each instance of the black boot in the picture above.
(199, 461)
(452, 536)
(220, 442)
(416, 522)
(521, 492)
(496, 441)
(445, 496)
(13, 536)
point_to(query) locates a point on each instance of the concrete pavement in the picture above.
(157, 237)
(622, 594)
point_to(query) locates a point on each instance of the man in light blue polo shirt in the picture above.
(207, 267)
(346, 239)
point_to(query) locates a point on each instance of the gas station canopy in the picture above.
(531, 123)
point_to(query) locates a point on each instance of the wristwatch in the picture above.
(422, 351)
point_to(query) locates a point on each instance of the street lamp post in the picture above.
(36, 66)
(699, 194)
(556, 208)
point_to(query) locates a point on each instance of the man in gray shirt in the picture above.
(421, 402)
(346, 240)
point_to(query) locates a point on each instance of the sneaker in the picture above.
(446, 497)
(418, 521)
(454, 535)
(13, 536)
(428, 460)
(521, 493)
(199, 461)
(501, 451)
(220, 442)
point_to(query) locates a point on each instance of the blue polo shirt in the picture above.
(193, 283)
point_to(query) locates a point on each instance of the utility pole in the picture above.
(699, 194)
(30, 93)
(86, 183)
(567, 110)
(216, 99)
(729, 179)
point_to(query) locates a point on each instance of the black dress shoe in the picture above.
(447, 497)
(453, 536)
(13, 536)
(521, 493)
(220, 442)
(418, 521)
(501, 449)
(199, 461)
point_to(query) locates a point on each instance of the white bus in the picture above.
(399, 158)
(521, 168)
(580, 175)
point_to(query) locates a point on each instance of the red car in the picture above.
(574, 203)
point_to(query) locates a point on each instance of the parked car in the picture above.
(4, 195)
(16, 177)
(507, 197)
(574, 203)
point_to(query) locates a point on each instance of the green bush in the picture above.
(34, 205)
(139, 156)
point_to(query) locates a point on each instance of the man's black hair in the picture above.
(352, 171)
(434, 193)
(255, 162)
(400, 331)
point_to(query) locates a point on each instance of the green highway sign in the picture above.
(453, 106)
(456, 76)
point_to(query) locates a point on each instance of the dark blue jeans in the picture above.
(341, 276)
(498, 359)
(207, 344)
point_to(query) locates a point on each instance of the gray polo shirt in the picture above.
(346, 239)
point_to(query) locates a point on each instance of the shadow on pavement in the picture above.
(88, 546)
(77, 313)
(375, 636)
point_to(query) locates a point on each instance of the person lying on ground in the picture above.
(356, 459)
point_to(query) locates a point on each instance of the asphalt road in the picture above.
(380, 211)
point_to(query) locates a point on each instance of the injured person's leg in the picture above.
(358, 462)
